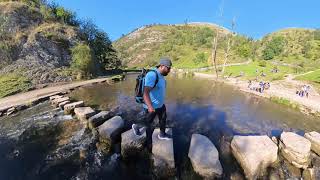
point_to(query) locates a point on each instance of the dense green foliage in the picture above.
(100, 45)
(273, 48)
(82, 58)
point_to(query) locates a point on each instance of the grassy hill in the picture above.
(293, 46)
(189, 46)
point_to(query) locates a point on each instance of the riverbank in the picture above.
(281, 90)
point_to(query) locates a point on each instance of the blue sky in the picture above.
(254, 18)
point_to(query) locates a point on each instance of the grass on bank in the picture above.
(255, 69)
(313, 78)
(12, 84)
(284, 101)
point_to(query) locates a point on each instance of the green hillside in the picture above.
(294, 46)
(189, 46)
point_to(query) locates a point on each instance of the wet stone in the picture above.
(69, 108)
(131, 144)
(83, 113)
(110, 131)
(314, 138)
(295, 148)
(61, 105)
(57, 101)
(51, 98)
(99, 119)
(254, 154)
(163, 155)
(204, 157)
(11, 111)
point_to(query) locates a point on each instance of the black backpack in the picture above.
(140, 85)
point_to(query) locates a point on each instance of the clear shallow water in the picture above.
(42, 143)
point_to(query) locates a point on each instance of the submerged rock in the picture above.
(254, 154)
(163, 155)
(99, 119)
(204, 157)
(83, 113)
(132, 144)
(314, 138)
(295, 148)
(68, 108)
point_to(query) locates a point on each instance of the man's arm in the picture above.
(146, 98)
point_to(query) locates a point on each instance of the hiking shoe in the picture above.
(136, 129)
(164, 136)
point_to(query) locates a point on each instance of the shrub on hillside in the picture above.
(200, 58)
(316, 34)
(262, 63)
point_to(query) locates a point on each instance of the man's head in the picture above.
(164, 66)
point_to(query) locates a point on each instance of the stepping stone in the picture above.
(11, 111)
(83, 113)
(254, 154)
(57, 101)
(295, 148)
(314, 138)
(61, 105)
(99, 119)
(110, 132)
(131, 144)
(51, 98)
(68, 108)
(163, 155)
(204, 157)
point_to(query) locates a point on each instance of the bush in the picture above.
(273, 48)
(262, 63)
(82, 59)
(316, 34)
(200, 58)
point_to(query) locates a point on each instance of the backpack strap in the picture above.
(157, 78)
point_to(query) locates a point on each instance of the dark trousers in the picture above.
(162, 115)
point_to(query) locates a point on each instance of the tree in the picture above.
(273, 48)
(100, 44)
(82, 58)
(66, 16)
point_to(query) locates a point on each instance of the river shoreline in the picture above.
(282, 89)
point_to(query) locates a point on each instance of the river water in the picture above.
(42, 143)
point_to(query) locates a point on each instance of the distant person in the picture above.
(249, 84)
(307, 91)
(154, 97)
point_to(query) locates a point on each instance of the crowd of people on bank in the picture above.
(304, 91)
(261, 87)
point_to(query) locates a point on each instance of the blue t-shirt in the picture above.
(158, 93)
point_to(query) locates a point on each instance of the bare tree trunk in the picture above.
(226, 55)
(214, 53)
